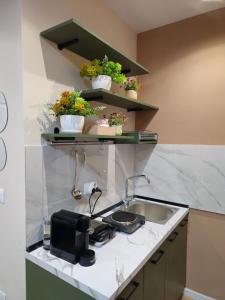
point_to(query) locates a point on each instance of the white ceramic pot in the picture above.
(131, 94)
(119, 130)
(102, 82)
(71, 123)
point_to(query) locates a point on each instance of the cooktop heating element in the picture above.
(125, 221)
(124, 217)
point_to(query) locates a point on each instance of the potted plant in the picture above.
(72, 109)
(131, 87)
(118, 120)
(103, 72)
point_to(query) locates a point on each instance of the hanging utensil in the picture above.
(75, 192)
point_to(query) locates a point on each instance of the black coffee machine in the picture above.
(69, 235)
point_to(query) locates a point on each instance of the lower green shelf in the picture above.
(67, 138)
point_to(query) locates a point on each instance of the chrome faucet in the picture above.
(128, 198)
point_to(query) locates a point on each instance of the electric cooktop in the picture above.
(125, 221)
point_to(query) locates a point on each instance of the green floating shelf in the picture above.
(72, 36)
(72, 138)
(115, 99)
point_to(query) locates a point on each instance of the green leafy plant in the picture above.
(104, 67)
(131, 84)
(117, 119)
(71, 103)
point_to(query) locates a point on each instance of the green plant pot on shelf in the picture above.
(102, 72)
(118, 120)
(71, 109)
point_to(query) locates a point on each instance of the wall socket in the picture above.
(2, 201)
(88, 187)
(2, 296)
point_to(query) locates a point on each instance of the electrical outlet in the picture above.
(2, 201)
(2, 296)
(88, 187)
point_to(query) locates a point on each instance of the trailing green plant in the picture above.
(71, 103)
(131, 84)
(117, 119)
(103, 67)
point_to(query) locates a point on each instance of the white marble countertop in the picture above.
(117, 262)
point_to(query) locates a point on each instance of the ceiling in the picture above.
(143, 15)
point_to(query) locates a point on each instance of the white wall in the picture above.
(12, 179)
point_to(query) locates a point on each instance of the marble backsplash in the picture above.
(189, 174)
(50, 173)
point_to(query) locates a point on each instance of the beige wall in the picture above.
(187, 82)
(46, 70)
(187, 64)
(206, 254)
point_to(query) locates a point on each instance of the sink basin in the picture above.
(156, 213)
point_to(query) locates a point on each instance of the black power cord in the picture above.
(94, 190)
(96, 202)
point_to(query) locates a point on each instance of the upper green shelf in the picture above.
(72, 36)
(116, 99)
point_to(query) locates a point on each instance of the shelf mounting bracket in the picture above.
(67, 44)
(93, 98)
(126, 71)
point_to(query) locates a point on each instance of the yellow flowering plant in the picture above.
(103, 67)
(71, 103)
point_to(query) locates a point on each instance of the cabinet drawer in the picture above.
(134, 290)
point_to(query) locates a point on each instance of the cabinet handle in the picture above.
(173, 236)
(183, 223)
(157, 259)
(135, 286)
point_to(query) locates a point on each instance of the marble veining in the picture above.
(189, 174)
(50, 177)
(119, 268)
(118, 261)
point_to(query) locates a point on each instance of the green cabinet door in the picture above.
(172, 267)
(182, 258)
(134, 290)
(176, 263)
(42, 285)
(155, 275)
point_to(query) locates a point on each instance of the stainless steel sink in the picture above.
(156, 213)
